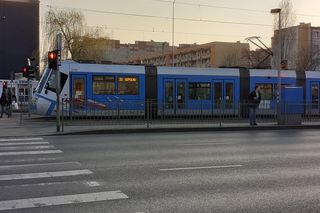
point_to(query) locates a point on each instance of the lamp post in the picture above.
(174, 1)
(278, 11)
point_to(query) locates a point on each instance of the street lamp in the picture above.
(173, 3)
(274, 12)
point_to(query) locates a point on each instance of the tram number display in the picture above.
(127, 79)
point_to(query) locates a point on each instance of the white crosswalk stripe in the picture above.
(31, 152)
(23, 143)
(61, 200)
(44, 168)
(37, 165)
(20, 139)
(26, 147)
(44, 175)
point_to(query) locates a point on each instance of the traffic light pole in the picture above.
(59, 47)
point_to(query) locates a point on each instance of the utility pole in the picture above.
(174, 1)
(278, 11)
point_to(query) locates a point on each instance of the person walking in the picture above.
(4, 104)
(254, 101)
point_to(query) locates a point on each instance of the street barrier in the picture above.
(148, 114)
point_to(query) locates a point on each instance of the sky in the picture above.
(196, 21)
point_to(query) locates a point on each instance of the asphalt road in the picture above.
(253, 171)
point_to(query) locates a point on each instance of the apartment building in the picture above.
(214, 54)
(300, 47)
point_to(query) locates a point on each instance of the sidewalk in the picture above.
(39, 126)
(10, 127)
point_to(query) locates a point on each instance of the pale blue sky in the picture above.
(131, 28)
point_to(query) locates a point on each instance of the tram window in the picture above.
(315, 95)
(52, 81)
(199, 91)
(128, 85)
(43, 80)
(103, 85)
(266, 91)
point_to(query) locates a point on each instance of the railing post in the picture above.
(148, 114)
(62, 118)
(220, 114)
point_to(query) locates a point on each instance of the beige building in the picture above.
(121, 53)
(300, 47)
(214, 54)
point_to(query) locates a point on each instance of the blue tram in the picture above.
(125, 89)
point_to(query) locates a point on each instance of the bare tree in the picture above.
(80, 41)
(288, 34)
(308, 60)
(91, 46)
(70, 23)
(259, 59)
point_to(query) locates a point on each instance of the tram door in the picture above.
(174, 95)
(78, 87)
(315, 97)
(223, 94)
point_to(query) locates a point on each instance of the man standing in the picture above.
(4, 104)
(254, 101)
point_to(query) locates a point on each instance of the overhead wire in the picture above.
(165, 17)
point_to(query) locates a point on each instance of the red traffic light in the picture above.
(52, 55)
(25, 71)
(53, 59)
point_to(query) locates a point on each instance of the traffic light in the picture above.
(53, 59)
(25, 71)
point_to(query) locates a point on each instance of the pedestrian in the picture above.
(254, 101)
(4, 104)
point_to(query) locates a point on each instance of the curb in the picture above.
(182, 129)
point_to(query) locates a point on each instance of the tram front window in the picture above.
(52, 81)
(43, 80)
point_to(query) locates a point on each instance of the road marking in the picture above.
(20, 139)
(44, 175)
(31, 152)
(61, 200)
(203, 144)
(23, 143)
(29, 160)
(202, 167)
(93, 183)
(68, 183)
(38, 164)
(26, 148)
(46, 184)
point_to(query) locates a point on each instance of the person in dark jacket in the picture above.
(4, 104)
(254, 101)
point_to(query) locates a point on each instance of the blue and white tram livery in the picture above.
(92, 87)
(125, 89)
(203, 91)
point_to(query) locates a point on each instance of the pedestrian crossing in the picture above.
(35, 174)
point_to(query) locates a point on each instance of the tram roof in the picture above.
(198, 71)
(272, 73)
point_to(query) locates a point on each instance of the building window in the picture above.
(128, 85)
(103, 85)
(199, 91)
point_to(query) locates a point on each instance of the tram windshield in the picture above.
(43, 80)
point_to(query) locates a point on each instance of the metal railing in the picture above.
(151, 113)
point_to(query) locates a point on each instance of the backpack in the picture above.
(3, 100)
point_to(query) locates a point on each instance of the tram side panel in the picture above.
(198, 91)
(312, 92)
(268, 82)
